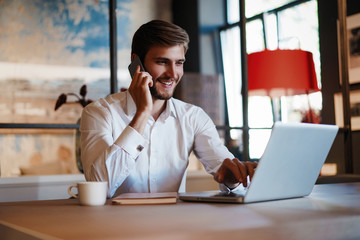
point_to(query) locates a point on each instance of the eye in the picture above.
(179, 63)
(161, 62)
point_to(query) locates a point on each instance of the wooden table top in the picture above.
(332, 211)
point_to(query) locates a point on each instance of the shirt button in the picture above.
(140, 148)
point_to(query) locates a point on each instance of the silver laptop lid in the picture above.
(292, 161)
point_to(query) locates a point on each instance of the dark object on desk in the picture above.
(145, 198)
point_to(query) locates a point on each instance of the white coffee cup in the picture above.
(90, 193)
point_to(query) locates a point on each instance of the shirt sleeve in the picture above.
(103, 157)
(208, 147)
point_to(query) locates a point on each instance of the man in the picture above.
(140, 140)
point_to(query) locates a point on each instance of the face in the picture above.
(165, 65)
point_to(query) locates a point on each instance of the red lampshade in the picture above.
(281, 73)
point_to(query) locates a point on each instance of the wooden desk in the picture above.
(332, 211)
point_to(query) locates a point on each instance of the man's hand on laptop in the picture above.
(233, 172)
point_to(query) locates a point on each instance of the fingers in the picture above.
(242, 169)
(250, 166)
(140, 83)
(141, 79)
(229, 173)
(233, 171)
(221, 173)
(140, 91)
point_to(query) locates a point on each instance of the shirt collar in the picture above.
(169, 110)
(131, 107)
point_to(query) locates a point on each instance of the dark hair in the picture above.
(158, 33)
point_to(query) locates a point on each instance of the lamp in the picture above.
(277, 73)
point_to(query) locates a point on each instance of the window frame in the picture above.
(244, 92)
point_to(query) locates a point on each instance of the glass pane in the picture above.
(271, 31)
(260, 112)
(255, 7)
(236, 143)
(255, 36)
(233, 11)
(298, 28)
(295, 108)
(230, 46)
(258, 139)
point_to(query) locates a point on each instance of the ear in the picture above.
(133, 56)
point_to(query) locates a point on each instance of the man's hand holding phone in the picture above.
(140, 92)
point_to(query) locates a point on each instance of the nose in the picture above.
(171, 71)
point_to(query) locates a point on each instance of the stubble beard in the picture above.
(155, 93)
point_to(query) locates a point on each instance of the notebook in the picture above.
(289, 167)
(145, 198)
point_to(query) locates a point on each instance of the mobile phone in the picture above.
(133, 65)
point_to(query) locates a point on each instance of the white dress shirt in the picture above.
(156, 161)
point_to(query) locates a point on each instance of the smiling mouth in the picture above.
(166, 83)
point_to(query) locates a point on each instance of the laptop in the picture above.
(288, 168)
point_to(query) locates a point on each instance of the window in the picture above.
(281, 24)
